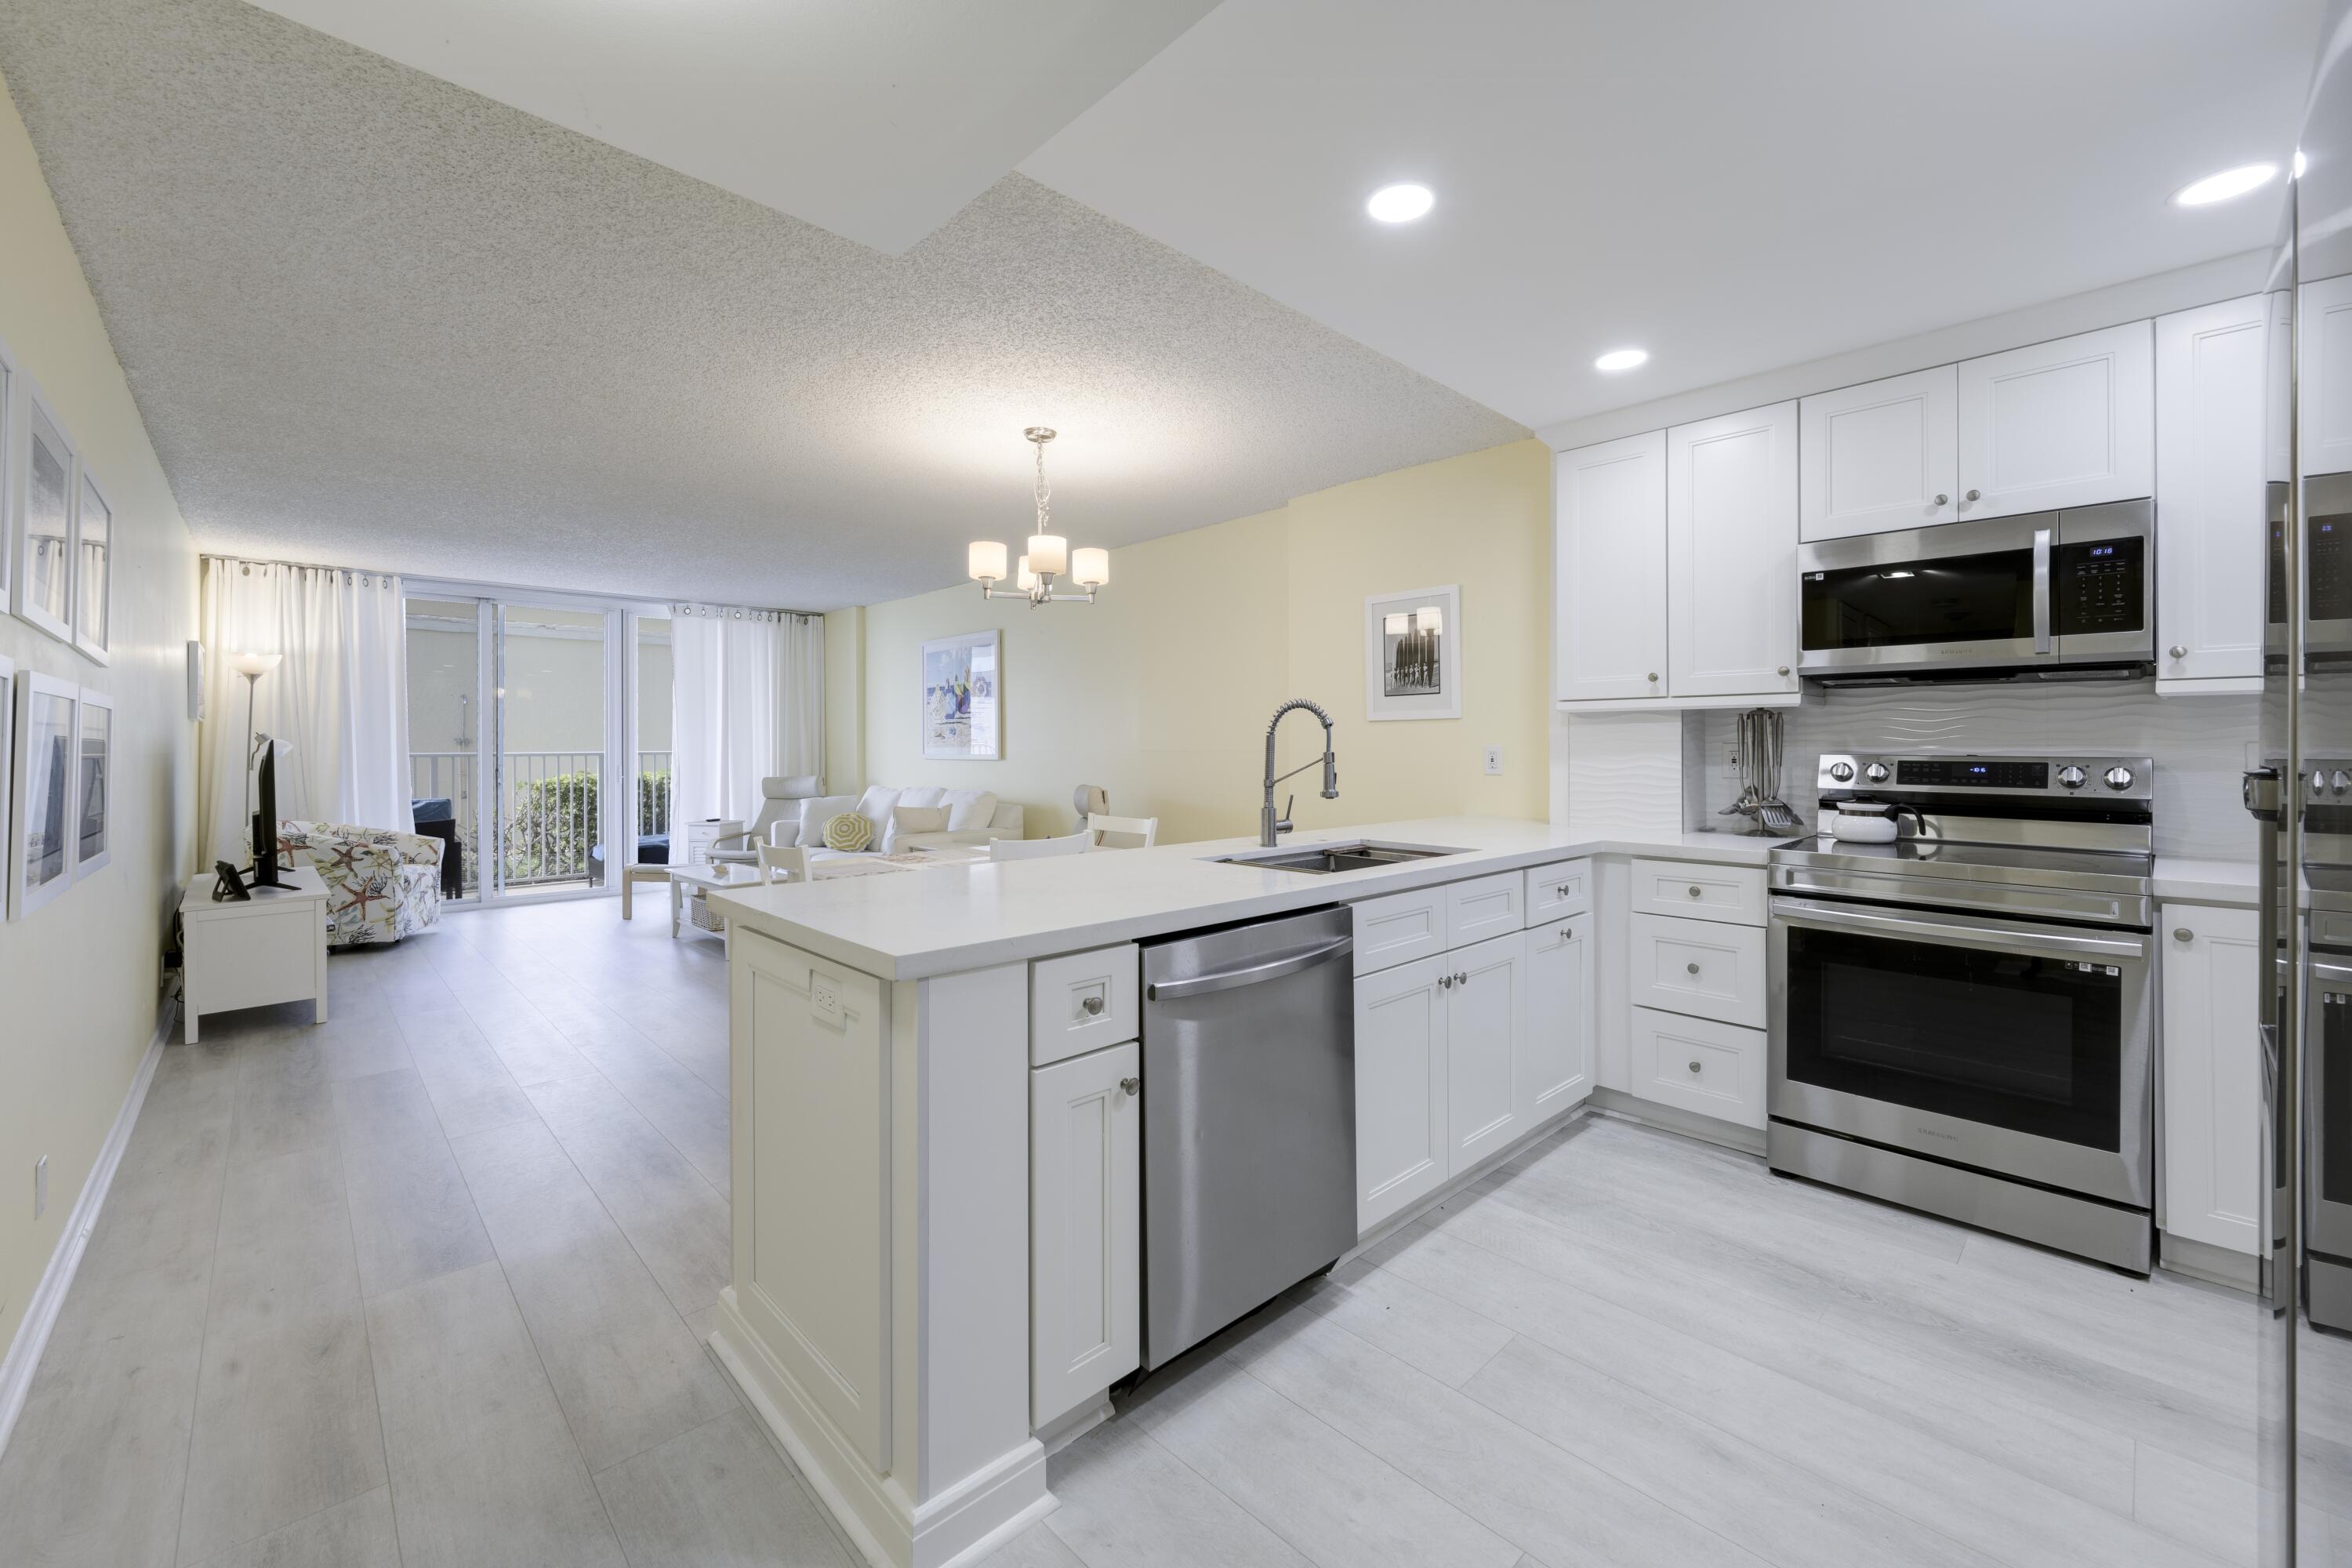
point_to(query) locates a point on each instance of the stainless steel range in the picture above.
(1962, 1019)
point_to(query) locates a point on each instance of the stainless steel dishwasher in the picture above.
(1249, 1119)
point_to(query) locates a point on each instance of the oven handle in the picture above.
(2042, 590)
(2016, 939)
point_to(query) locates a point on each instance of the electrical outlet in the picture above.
(1494, 759)
(825, 996)
(40, 1187)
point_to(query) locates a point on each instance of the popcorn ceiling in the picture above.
(372, 318)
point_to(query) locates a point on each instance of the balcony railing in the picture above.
(547, 810)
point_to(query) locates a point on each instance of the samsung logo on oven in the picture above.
(1931, 1132)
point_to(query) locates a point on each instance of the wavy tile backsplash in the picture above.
(2202, 745)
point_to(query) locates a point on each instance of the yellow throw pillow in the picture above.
(848, 831)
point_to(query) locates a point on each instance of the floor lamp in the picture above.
(252, 667)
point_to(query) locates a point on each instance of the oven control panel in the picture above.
(2048, 777)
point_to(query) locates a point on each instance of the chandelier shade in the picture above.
(1049, 557)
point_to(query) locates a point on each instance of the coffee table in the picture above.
(690, 895)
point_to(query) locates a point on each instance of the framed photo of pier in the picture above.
(1413, 654)
(963, 698)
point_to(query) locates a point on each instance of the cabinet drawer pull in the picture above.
(1695, 892)
(1694, 1066)
(1692, 967)
(1653, 675)
(2182, 933)
(1090, 1005)
(1784, 669)
(1133, 1085)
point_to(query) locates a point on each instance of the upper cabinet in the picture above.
(2210, 441)
(2062, 424)
(1881, 457)
(1609, 593)
(2323, 376)
(1731, 554)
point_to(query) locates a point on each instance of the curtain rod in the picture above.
(298, 565)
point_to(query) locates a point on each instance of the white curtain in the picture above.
(339, 697)
(749, 695)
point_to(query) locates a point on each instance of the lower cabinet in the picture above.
(1486, 1038)
(1086, 1228)
(1556, 1063)
(1400, 1087)
(2211, 1152)
(1698, 1063)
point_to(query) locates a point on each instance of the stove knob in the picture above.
(1875, 773)
(2338, 781)
(1841, 771)
(2119, 778)
(2071, 776)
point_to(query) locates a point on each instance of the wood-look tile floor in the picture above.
(426, 1286)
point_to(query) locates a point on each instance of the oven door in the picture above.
(2330, 1223)
(2006, 1046)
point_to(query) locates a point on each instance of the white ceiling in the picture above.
(878, 119)
(372, 319)
(1733, 185)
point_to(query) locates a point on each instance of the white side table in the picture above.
(701, 836)
(251, 953)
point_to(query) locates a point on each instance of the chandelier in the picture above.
(1050, 555)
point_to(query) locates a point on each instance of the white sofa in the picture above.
(983, 816)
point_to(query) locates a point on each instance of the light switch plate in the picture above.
(1495, 759)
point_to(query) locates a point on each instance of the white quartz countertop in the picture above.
(942, 920)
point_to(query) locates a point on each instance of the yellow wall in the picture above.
(844, 700)
(1161, 691)
(79, 978)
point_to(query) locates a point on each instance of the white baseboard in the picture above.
(1623, 1107)
(48, 1297)
(2213, 1264)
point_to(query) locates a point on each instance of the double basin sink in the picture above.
(1322, 859)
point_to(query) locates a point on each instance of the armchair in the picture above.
(779, 802)
(381, 886)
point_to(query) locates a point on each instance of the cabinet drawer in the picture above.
(1554, 892)
(1697, 892)
(1399, 929)
(1483, 907)
(1697, 1064)
(1082, 1000)
(1708, 968)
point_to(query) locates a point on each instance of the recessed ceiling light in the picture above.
(2224, 185)
(1622, 359)
(1401, 204)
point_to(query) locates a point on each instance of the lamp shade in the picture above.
(1427, 619)
(254, 664)
(984, 561)
(1091, 568)
(1048, 554)
(1025, 577)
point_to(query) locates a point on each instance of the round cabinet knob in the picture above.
(1133, 1085)
(1692, 967)
(1694, 1066)
(2070, 776)
(2181, 933)
(1942, 499)
(1784, 669)
(1461, 979)
(2118, 778)
(1693, 893)
(1974, 495)
(1841, 771)
(2178, 651)
(1090, 1006)
(1653, 675)
(1875, 773)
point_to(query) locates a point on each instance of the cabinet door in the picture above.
(1086, 1229)
(2212, 1076)
(1880, 456)
(1555, 1065)
(1608, 570)
(1400, 1087)
(2323, 375)
(1731, 548)
(1486, 1027)
(2209, 490)
(2067, 423)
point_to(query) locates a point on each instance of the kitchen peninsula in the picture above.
(937, 1230)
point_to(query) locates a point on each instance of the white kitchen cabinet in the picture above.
(1399, 929)
(1483, 907)
(1080, 1002)
(1879, 457)
(1711, 969)
(2067, 423)
(1691, 891)
(2323, 375)
(1698, 1063)
(1400, 1087)
(2211, 1157)
(1556, 892)
(1731, 554)
(1086, 1228)
(2209, 546)
(1609, 571)
(1556, 1063)
(1486, 1027)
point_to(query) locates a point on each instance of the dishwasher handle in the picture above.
(1201, 984)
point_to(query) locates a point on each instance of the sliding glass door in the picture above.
(539, 735)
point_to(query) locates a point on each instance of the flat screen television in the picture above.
(265, 815)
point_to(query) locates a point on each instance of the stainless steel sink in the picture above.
(1322, 859)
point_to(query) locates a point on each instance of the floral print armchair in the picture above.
(381, 886)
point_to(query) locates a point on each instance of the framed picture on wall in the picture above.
(7, 772)
(93, 567)
(43, 588)
(1413, 654)
(94, 785)
(41, 836)
(963, 698)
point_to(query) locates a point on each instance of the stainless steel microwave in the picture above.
(2052, 594)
